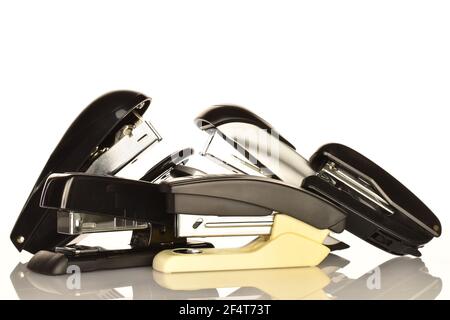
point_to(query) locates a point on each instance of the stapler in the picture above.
(292, 224)
(107, 138)
(379, 209)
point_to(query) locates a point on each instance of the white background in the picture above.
(374, 75)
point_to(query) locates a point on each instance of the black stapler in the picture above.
(293, 223)
(106, 139)
(379, 208)
(84, 189)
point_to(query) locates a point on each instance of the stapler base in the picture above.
(58, 263)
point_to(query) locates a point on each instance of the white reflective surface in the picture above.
(397, 278)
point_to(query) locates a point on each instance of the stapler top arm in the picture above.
(221, 195)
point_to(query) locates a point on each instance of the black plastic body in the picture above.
(167, 164)
(219, 115)
(105, 195)
(35, 228)
(398, 233)
(145, 244)
(182, 171)
(222, 195)
(242, 195)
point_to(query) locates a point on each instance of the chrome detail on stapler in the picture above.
(129, 142)
(362, 186)
(74, 223)
(219, 226)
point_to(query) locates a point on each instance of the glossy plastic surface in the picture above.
(404, 231)
(35, 228)
(226, 195)
(223, 114)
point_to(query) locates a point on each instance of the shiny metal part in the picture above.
(130, 141)
(219, 152)
(215, 226)
(74, 223)
(256, 150)
(358, 185)
(77, 250)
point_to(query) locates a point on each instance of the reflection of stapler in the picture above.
(119, 284)
(290, 283)
(401, 278)
(398, 278)
(379, 209)
(306, 283)
(143, 283)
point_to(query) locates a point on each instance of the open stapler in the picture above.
(106, 138)
(379, 209)
(86, 187)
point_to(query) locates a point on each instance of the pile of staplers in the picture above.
(292, 207)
